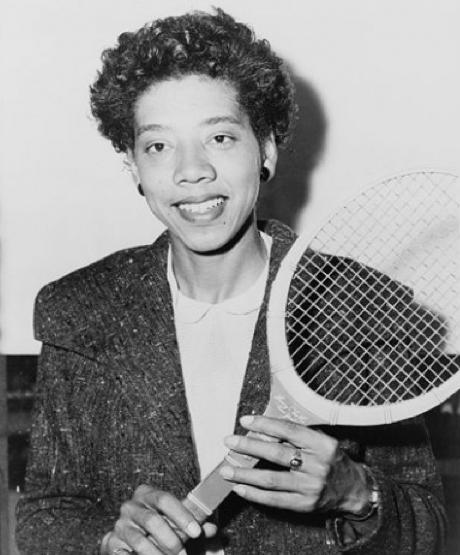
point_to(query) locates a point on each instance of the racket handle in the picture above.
(204, 499)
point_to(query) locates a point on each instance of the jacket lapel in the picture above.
(147, 362)
(255, 393)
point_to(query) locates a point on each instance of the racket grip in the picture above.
(204, 499)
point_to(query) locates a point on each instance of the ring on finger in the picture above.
(296, 460)
(121, 551)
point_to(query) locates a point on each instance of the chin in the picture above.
(215, 239)
(209, 247)
(208, 244)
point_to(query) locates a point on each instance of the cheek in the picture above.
(157, 204)
(246, 174)
(251, 183)
(162, 212)
(156, 188)
(158, 199)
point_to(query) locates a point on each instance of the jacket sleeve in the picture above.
(62, 509)
(410, 519)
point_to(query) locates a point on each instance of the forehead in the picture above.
(188, 100)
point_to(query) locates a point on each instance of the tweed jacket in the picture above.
(111, 414)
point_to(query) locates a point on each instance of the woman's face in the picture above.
(198, 160)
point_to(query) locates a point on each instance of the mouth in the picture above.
(201, 207)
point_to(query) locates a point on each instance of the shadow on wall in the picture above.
(286, 195)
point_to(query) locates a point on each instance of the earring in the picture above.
(141, 190)
(264, 174)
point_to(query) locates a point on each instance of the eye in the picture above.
(224, 140)
(156, 147)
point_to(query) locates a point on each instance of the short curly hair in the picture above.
(214, 45)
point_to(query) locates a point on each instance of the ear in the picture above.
(270, 154)
(132, 166)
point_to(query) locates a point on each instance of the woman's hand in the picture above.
(325, 480)
(153, 522)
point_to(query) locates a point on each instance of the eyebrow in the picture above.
(209, 121)
(222, 119)
(150, 127)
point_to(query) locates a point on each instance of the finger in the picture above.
(281, 500)
(155, 522)
(307, 463)
(156, 502)
(209, 529)
(285, 430)
(161, 532)
(309, 440)
(266, 479)
(278, 453)
(112, 545)
(270, 480)
(136, 539)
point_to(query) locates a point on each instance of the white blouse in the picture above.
(214, 344)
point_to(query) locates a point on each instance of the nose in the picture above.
(193, 165)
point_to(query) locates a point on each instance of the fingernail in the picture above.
(246, 420)
(226, 472)
(231, 441)
(193, 529)
(240, 490)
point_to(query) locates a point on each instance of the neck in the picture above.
(215, 277)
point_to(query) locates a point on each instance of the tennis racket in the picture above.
(363, 321)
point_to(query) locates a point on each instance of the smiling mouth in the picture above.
(201, 207)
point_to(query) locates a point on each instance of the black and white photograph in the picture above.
(229, 277)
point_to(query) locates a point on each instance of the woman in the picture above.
(151, 354)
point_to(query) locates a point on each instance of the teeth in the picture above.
(200, 208)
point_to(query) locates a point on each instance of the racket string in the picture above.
(359, 327)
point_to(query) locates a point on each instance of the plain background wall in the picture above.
(379, 89)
